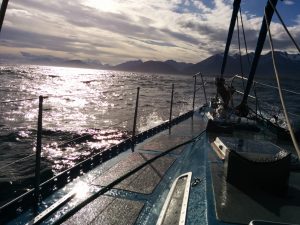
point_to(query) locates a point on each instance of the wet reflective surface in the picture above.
(85, 111)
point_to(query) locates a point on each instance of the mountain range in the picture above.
(286, 63)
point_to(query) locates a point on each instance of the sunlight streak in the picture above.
(103, 5)
(81, 190)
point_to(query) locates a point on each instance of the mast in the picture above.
(2, 12)
(236, 7)
(269, 10)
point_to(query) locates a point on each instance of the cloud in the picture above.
(113, 31)
(288, 2)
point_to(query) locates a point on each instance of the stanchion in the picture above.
(135, 118)
(194, 96)
(38, 151)
(171, 108)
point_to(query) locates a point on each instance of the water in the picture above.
(94, 107)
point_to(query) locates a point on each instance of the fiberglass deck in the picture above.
(131, 200)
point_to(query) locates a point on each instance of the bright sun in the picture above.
(103, 5)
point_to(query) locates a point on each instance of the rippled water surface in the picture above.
(86, 111)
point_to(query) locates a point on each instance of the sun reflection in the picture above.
(81, 190)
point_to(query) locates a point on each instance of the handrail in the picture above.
(242, 93)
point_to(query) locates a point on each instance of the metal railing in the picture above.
(257, 99)
(42, 190)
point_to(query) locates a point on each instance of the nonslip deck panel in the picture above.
(143, 181)
(189, 128)
(107, 211)
(164, 142)
(236, 206)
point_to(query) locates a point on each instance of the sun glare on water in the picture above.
(81, 190)
(103, 5)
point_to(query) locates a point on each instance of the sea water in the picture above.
(86, 111)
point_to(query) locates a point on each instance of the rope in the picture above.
(293, 114)
(19, 100)
(280, 91)
(120, 179)
(19, 160)
(284, 26)
(245, 42)
(268, 85)
(241, 62)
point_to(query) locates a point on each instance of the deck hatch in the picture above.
(175, 206)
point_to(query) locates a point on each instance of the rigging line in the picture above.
(244, 35)
(108, 187)
(280, 91)
(88, 135)
(91, 94)
(19, 160)
(20, 100)
(270, 86)
(293, 114)
(239, 42)
(285, 27)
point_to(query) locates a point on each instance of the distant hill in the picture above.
(209, 66)
(128, 66)
(155, 67)
(288, 64)
(179, 66)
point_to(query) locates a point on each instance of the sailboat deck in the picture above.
(124, 203)
(139, 198)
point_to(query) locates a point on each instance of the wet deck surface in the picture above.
(164, 142)
(107, 210)
(143, 181)
(256, 204)
(119, 210)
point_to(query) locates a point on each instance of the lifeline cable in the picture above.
(19, 100)
(19, 160)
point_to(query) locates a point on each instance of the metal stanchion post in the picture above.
(135, 118)
(171, 108)
(38, 151)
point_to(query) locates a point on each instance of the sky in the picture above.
(115, 31)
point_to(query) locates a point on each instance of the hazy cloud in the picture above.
(113, 31)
